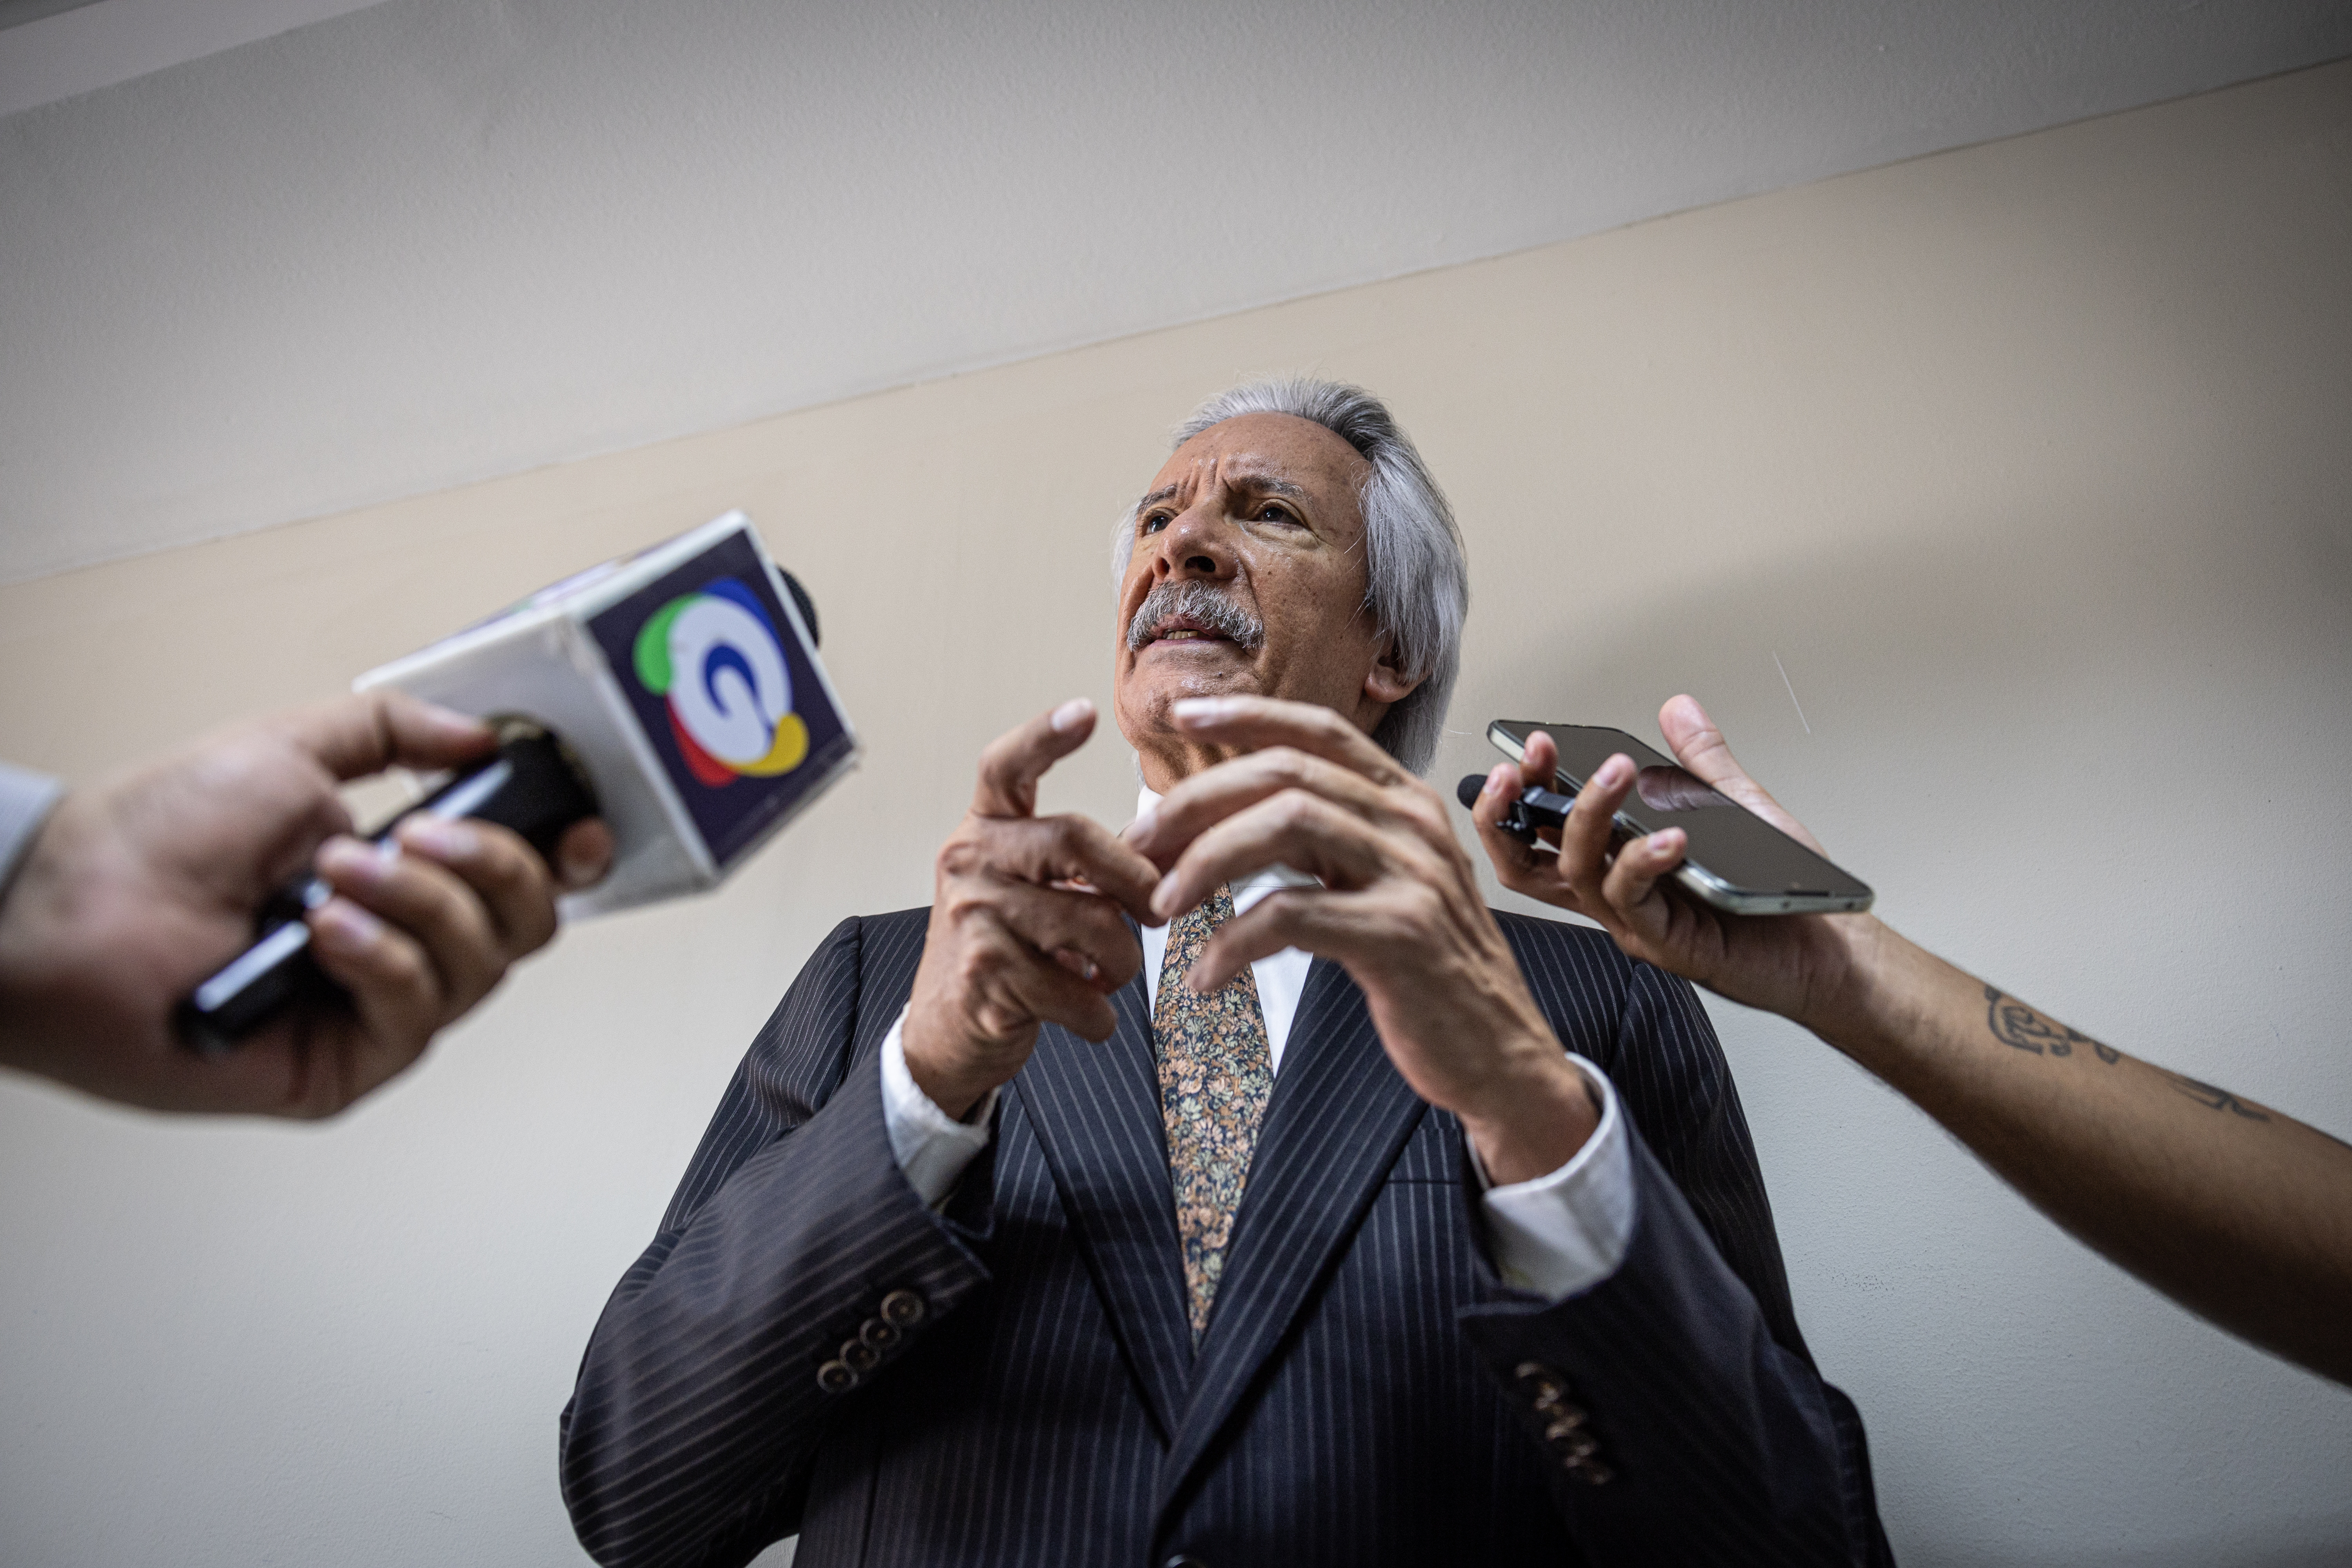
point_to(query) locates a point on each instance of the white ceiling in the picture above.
(430, 241)
(84, 44)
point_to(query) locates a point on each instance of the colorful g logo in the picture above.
(716, 656)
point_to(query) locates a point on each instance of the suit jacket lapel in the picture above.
(1096, 1112)
(1339, 1117)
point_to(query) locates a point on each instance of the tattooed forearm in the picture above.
(2013, 1022)
(2210, 1096)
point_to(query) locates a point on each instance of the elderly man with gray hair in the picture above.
(1237, 1188)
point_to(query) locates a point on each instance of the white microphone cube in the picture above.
(687, 684)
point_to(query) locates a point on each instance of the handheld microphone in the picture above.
(676, 692)
(1536, 807)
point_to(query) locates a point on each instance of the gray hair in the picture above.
(1416, 581)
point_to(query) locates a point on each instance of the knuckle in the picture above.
(402, 967)
(1287, 764)
(1281, 909)
(976, 966)
(959, 856)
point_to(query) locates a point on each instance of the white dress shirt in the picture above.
(1555, 1235)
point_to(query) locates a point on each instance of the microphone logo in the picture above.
(715, 656)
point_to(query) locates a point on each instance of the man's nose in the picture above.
(1197, 543)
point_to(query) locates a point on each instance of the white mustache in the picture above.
(1194, 600)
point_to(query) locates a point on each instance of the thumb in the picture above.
(352, 737)
(1699, 746)
(1014, 762)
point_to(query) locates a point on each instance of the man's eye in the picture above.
(1154, 522)
(1273, 513)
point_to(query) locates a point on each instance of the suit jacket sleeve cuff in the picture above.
(932, 1147)
(1683, 1432)
(1566, 1231)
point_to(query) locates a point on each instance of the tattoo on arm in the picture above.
(2210, 1096)
(2013, 1022)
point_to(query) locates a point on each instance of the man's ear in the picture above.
(1386, 681)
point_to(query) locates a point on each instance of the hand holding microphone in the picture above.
(140, 886)
(205, 935)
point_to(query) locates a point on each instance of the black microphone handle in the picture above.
(532, 785)
(1534, 807)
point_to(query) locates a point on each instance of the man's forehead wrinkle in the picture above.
(1235, 479)
(1271, 485)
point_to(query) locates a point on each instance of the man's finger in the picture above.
(1295, 828)
(431, 905)
(1584, 842)
(1633, 881)
(507, 874)
(1207, 798)
(1072, 848)
(584, 854)
(1346, 927)
(1041, 989)
(1699, 746)
(1014, 762)
(1251, 722)
(1539, 762)
(392, 986)
(1085, 926)
(355, 736)
(1519, 865)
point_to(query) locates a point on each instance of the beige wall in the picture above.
(2029, 463)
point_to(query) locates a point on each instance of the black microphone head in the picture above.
(1468, 790)
(805, 604)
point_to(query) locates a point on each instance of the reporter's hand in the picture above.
(141, 886)
(1801, 966)
(1025, 926)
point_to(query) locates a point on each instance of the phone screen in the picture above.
(1729, 844)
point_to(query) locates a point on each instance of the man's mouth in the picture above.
(1184, 628)
(1193, 614)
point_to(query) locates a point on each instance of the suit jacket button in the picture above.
(1590, 1472)
(903, 1308)
(1540, 1383)
(836, 1377)
(1564, 1427)
(860, 1356)
(879, 1334)
(1185, 1560)
(1577, 1446)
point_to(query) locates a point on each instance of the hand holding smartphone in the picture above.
(1735, 861)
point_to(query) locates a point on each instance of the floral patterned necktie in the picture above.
(1215, 1073)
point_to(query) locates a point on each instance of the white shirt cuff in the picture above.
(1568, 1231)
(932, 1147)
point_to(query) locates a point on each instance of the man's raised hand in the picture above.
(1025, 924)
(1399, 908)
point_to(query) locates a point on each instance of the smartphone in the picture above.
(1735, 861)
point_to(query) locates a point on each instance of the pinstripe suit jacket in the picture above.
(1355, 1399)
